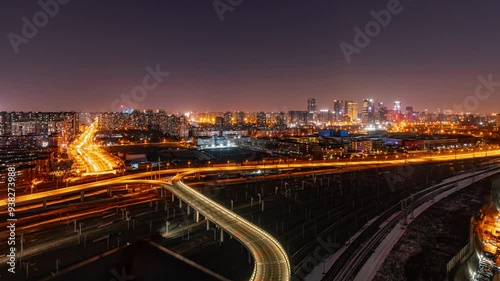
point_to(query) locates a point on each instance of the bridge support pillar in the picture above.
(44, 203)
(208, 225)
(221, 235)
(196, 216)
(82, 195)
(180, 203)
(110, 194)
(173, 197)
(188, 209)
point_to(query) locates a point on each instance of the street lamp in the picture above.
(189, 164)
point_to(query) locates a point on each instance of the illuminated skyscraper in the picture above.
(397, 107)
(311, 105)
(397, 111)
(381, 112)
(325, 116)
(311, 110)
(339, 111)
(367, 115)
(352, 110)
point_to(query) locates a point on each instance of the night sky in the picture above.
(265, 54)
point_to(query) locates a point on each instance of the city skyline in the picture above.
(84, 54)
(250, 140)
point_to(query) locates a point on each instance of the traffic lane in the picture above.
(83, 187)
(267, 252)
(41, 196)
(248, 235)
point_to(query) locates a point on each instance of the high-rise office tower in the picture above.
(352, 110)
(311, 109)
(381, 112)
(367, 115)
(311, 105)
(338, 109)
(397, 111)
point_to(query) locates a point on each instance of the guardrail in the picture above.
(357, 253)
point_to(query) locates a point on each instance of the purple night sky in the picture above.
(265, 55)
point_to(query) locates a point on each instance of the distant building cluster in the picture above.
(174, 126)
(377, 115)
(37, 129)
(32, 140)
(346, 111)
(56, 129)
(335, 144)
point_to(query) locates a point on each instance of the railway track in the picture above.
(362, 247)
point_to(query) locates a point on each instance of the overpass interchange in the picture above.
(271, 261)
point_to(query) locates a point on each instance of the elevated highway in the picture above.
(270, 259)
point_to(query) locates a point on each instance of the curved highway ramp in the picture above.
(271, 262)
